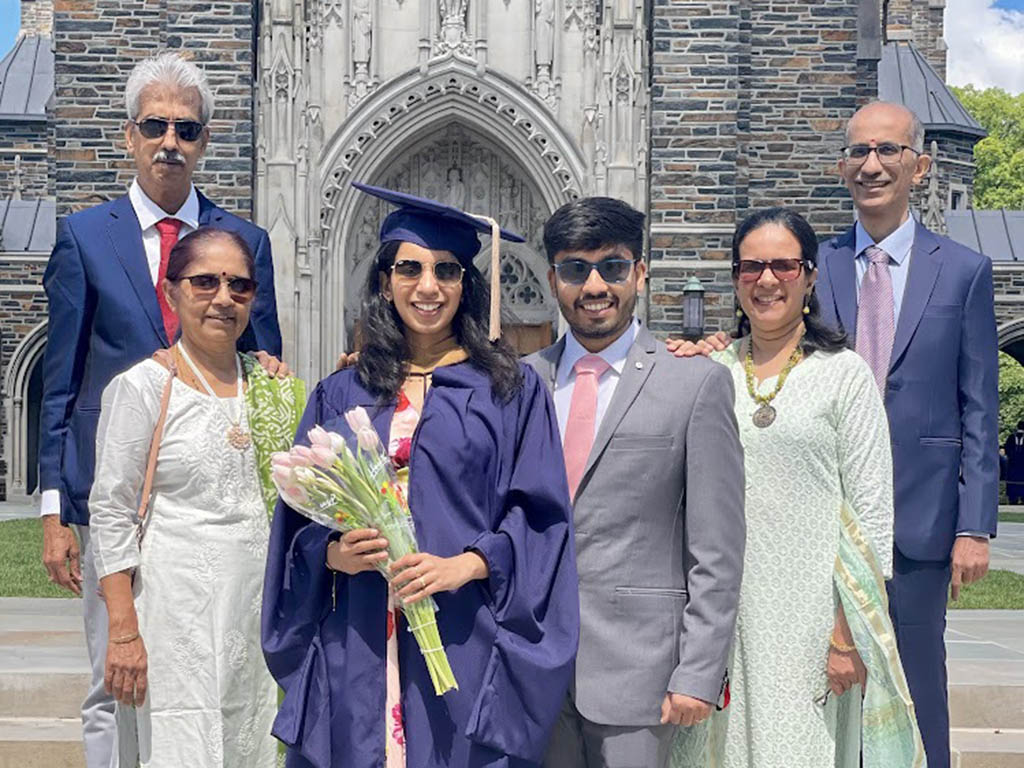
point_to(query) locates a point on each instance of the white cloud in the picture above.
(986, 45)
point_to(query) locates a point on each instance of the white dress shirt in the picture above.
(898, 245)
(565, 380)
(148, 213)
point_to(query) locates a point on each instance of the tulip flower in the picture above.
(360, 424)
(319, 436)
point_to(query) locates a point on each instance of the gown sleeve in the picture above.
(532, 589)
(127, 418)
(296, 597)
(865, 459)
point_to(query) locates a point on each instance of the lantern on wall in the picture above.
(693, 309)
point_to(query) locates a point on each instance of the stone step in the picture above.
(41, 742)
(986, 706)
(987, 748)
(42, 694)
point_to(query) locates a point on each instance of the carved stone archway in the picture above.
(403, 118)
(461, 167)
(22, 394)
(1011, 339)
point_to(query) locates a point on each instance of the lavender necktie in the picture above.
(876, 322)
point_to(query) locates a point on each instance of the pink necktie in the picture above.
(876, 323)
(168, 229)
(579, 430)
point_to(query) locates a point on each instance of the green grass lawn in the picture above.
(21, 568)
(1011, 517)
(999, 589)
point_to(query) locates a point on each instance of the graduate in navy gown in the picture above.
(488, 494)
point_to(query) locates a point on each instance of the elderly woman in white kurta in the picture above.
(815, 678)
(184, 603)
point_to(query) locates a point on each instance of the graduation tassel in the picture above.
(495, 320)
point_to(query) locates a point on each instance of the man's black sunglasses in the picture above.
(577, 271)
(155, 127)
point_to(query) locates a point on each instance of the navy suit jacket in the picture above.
(942, 391)
(104, 318)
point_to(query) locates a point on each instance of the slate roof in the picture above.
(26, 79)
(27, 226)
(905, 77)
(999, 234)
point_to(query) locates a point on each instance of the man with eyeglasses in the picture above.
(107, 312)
(920, 309)
(655, 471)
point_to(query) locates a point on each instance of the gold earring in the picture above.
(739, 312)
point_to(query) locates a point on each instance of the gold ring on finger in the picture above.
(423, 584)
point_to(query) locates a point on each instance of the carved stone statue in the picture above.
(453, 37)
(362, 33)
(545, 10)
(455, 190)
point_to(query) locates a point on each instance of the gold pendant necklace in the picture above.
(765, 415)
(237, 436)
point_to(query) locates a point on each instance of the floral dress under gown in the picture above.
(403, 425)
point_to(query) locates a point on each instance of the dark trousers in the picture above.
(917, 604)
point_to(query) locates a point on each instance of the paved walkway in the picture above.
(10, 510)
(985, 647)
(1008, 547)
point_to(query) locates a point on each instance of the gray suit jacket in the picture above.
(660, 534)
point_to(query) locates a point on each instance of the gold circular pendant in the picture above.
(764, 416)
(238, 438)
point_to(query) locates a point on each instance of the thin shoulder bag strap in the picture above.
(162, 356)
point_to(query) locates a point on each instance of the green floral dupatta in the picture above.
(881, 725)
(888, 735)
(274, 408)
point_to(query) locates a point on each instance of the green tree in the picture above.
(999, 182)
(1011, 395)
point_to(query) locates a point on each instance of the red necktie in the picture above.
(168, 229)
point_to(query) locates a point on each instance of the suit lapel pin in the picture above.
(639, 365)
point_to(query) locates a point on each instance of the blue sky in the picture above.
(1010, 5)
(10, 21)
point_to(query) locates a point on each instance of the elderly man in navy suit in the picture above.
(920, 310)
(106, 313)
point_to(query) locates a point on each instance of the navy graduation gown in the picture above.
(484, 475)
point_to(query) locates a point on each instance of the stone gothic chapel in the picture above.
(693, 111)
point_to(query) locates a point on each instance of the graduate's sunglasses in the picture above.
(577, 271)
(242, 289)
(750, 270)
(155, 127)
(449, 272)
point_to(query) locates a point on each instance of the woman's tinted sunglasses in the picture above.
(242, 289)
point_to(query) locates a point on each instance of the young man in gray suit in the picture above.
(655, 469)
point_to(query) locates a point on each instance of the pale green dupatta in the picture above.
(882, 725)
(274, 409)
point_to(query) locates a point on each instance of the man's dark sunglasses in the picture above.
(750, 270)
(242, 289)
(444, 271)
(577, 271)
(155, 127)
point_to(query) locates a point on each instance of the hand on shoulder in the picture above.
(716, 342)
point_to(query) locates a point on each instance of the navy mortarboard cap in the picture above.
(441, 227)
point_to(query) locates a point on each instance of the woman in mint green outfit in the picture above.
(815, 678)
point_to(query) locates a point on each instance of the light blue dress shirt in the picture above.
(898, 246)
(565, 380)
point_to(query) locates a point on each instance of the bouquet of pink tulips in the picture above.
(342, 490)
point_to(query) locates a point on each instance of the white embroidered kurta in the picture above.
(211, 700)
(830, 441)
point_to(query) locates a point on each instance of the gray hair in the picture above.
(916, 126)
(172, 70)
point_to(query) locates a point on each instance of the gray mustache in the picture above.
(172, 156)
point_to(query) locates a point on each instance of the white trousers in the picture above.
(99, 731)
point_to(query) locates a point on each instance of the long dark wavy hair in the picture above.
(384, 358)
(818, 335)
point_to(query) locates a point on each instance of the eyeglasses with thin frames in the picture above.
(888, 153)
(155, 127)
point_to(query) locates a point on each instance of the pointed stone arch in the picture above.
(22, 395)
(446, 95)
